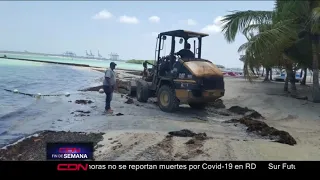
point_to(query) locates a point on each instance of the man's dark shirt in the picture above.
(185, 53)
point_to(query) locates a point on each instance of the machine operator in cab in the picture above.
(186, 52)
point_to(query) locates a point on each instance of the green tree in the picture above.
(284, 37)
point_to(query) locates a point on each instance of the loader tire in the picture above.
(142, 91)
(167, 100)
(198, 105)
(132, 90)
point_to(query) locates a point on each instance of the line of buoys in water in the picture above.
(39, 95)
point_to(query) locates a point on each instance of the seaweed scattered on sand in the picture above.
(82, 101)
(262, 129)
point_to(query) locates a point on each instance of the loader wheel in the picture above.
(167, 100)
(142, 91)
(132, 90)
(198, 105)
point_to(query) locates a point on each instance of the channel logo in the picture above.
(70, 151)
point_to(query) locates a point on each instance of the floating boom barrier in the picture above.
(36, 95)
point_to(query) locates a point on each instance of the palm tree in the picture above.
(307, 15)
(278, 34)
(313, 26)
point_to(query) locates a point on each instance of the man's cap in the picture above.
(113, 64)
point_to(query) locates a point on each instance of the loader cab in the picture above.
(170, 42)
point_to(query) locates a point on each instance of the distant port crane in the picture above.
(89, 55)
(99, 55)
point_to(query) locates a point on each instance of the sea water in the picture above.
(45, 78)
(90, 62)
(34, 78)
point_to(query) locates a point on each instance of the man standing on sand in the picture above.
(109, 84)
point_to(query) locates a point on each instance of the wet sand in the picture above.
(140, 130)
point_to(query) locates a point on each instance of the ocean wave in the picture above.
(24, 112)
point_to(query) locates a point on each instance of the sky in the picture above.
(128, 28)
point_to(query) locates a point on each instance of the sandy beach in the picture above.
(140, 131)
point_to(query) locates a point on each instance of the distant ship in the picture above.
(69, 54)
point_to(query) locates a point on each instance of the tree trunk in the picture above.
(266, 78)
(293, 81)
(258, 71)
(262, 72)
(286, 84)
(291, 77)
(252, 70)
(315, 68)
(270, 74)
(301, 73)
(304, 79)
(287, 67)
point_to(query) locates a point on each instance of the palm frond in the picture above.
(251, 62)
(275, 39)
(244, 47)
(237, 21)
(296, 10)
(250, 29)
(315, 20)
(266, 47)
(292, 9)
(315, 14)
(246, 66)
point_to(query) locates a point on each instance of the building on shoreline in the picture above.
(114, 57)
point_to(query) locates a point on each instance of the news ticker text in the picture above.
(137, 167)
(202, 166)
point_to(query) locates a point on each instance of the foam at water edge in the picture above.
(20, 140)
